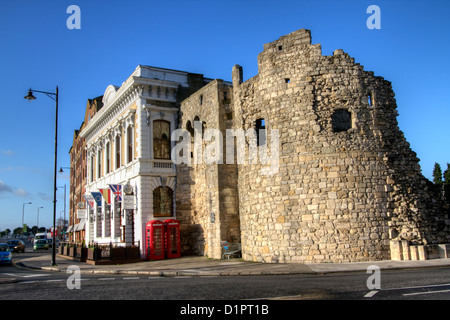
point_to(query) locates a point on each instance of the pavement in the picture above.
(203, 266)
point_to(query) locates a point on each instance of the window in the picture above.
(260, 127)
(287, 80)
(163, 202)
(341, 120)
(118, 152)
(369, 99)
(92, 169)
(280, 48)
(130, 144)
(161, 139)
(99, 163)
(108, 156)
(190, 128)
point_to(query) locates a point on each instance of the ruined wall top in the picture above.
(299, 37)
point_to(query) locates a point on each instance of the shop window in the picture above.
(163, 202)
(341, 120)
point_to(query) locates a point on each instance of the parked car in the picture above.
(40, 236)
(40, 245)
(16, 245)
(5, 254)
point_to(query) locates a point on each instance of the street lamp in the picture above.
(23, 211)
(73, 200)
(37, 223)
(54, 97)
(64, 222)
(61, 169)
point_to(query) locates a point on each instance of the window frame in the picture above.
(158, 141)
(157, 195)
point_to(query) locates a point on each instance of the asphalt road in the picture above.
(413, 284)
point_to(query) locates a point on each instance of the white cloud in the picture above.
(6, 188)
(20, 192)
(8, 152)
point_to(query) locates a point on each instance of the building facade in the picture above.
(128, 144)
(78, 175)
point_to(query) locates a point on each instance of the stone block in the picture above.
(405, 250)
(414, 252)
(432, 251)
(396, 250)
(444, 251)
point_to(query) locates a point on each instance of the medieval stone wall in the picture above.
(348, 181)
(207, 194)
(346, 185)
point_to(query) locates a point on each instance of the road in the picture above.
(415, 284)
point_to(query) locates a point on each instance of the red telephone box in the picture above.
(154, 240)
(173, 247)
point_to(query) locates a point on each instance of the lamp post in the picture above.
(54, 97)
(71, 202)
(37, 223)
(71, 186)
(23, 211)
(64, 221)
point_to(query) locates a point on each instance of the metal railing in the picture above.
(113, 251)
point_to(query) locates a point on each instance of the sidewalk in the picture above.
(202, 266)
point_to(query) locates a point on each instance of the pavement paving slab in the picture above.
(203, 266)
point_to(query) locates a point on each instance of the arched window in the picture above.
(190, 128)
(163, 202)
(118, 152)
(161, 139)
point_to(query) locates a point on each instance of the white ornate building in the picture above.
(128, 143)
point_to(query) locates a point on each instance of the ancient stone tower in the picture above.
(347, 181)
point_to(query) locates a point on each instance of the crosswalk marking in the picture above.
(371, 294)
(27, 275)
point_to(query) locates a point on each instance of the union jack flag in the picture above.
(117, 191)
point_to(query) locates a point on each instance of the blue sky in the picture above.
(38, 51)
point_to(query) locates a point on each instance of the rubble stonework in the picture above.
(348, 183)
(207, 194)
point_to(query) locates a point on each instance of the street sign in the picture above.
(128, 201)
(81, 214)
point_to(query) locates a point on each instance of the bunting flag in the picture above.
(106, 195)
(90, 200)
(117, 191)
(98, 198)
